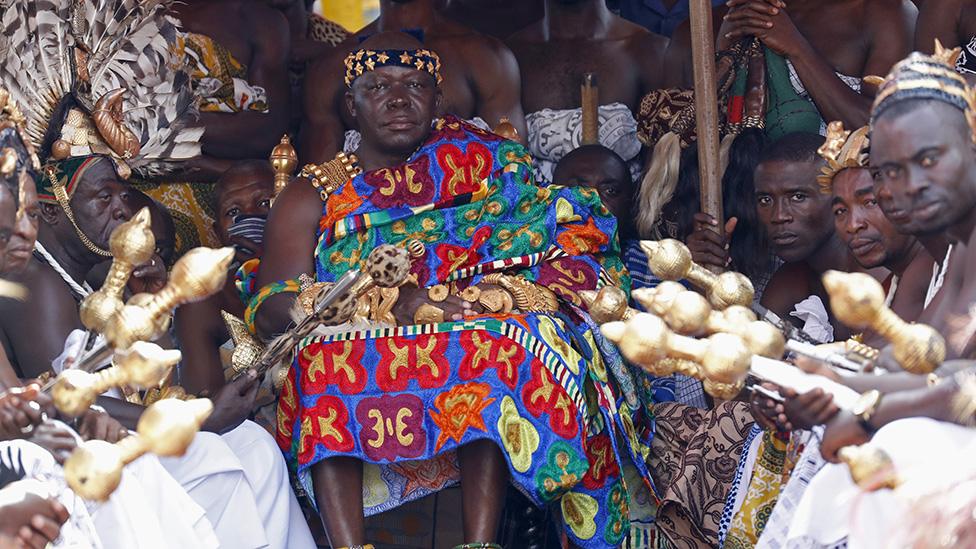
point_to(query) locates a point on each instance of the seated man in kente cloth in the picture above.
(486, 369)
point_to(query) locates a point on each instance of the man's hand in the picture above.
(766, 20)
(149, 278)
(233, 403)
(766, 410)
(28, 519)
(56, 439)
(843, 430)
(411, 299)
(20, 412)
(814, 407)
(707, 246)
(96, 424)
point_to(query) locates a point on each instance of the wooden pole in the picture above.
(706, 108)
(590, 103)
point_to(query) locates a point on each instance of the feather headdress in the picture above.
(100, 77)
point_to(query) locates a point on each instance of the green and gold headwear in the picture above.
(57, 182)
(922, 76)
(365, 60)
(842, 149)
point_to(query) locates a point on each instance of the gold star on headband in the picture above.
(843, 149)
(366, 60)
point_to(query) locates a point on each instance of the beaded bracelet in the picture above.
(284, 286)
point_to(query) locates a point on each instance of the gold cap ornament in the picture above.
(670, 259)
(284, 160)
(94, 469)
(858, 301)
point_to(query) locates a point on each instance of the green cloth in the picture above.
(787, 111)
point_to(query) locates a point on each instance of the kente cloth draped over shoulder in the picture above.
(537, 384)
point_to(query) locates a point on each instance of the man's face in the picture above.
(924, 167)
(7, 214)
(861, 224)
(25, 231)
(394, 107)
(608, 177)
(101, 202)
(792, 209)
(245, 193)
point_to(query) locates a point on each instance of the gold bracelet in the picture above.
(529, 297)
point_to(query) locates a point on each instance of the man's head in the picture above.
(795, 214)
(8, 209)
(21, 245)
(861, 224)
(83, 201)
(393, 92)
(600, 168)
(922, 149)
(243, 201)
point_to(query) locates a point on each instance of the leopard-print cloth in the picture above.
(321, 29)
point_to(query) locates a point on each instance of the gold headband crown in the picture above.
(843, 149)
(362, 61)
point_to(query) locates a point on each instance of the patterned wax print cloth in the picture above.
(543, 387)
(219, 81)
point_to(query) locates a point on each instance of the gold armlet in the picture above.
(329, 176)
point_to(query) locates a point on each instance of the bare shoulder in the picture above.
(788, 286)
(528, 34)
(265, 22)
(880, 13)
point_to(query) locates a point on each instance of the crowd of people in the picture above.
(503, 160)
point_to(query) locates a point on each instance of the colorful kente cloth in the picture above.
(541, 386)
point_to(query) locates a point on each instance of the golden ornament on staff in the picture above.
(871, 467)
(284, 162)
(858, 301)
(670, 259)
(197, 275)
(142, 365)
(132, 243)
(721, 361)
(166, 428)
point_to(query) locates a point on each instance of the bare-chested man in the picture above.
(925, 179)
(257, 37)
(875, 242)
(797, 218)
(573, 38)
(831, 45)
(952, 22)
(243, 200)
(481, 77)
(498, 18)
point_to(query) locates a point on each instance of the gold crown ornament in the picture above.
(842, 149)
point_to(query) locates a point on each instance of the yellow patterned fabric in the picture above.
(321, 29)
(764, 487)
(219, 79)
(191, 207)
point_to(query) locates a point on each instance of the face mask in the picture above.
(249, 227)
